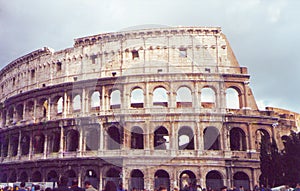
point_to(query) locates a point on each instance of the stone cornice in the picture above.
(143, 33)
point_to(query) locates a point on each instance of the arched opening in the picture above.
(113, 138)
(237, 139)
(160, 97)
(52, 176)
(71, 175)
(241, 179)
(54, 142)
(10, 114)
(30, 110)
(92, 139)
(91, 176)
(261, 136)
(23, 177)
(25, 142)
(77, 103)
(72, 140)
(137, 98)
(214, 180)
(14, 143)
(184, 97)
(161, 177)
(137, 138)
(208, 98)
(59, 105)
(19, 110)
(232, 99)
(187, 181)
(4, 178)
(5, 143)
(115, 99)
(186, 138)
(43, 107)
(36, 176)
(136, 180)
(95, 100)
(13, 176)
(211, 138)
(161, 138)
(38, 143)
(112, 180)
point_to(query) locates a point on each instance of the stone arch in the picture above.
(4, 178)
(36, 177)
(25, 144)
(29, 110)
(5, 143)
(232, 98)
(186, 138)
(91, 175)
(54, 142)
(237, 139)
(52, 176)
(14, 143)
(72, 142)
(12, 176)
(112, 179)
(23, 177)
(113, 138)
(10, 114)
(71, 175)
(19, 112)
(161, 138)
(43, 107)
(241, 179)
(211, 138)
(160, 96)
(187, 180)
(115, 99)
(214, 180)
(59, 105)
(137, 138)
(38, 143)
(76, 102)
(261, 135)
(184, 97)
(95, 100)
(92, 139)
(161, 177)
(136, 180)
(208, 97)
(137, 98)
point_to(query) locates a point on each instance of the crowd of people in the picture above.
(63, 186)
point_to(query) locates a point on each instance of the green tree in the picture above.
(291, 158)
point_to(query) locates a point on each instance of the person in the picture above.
(48, 189)
(120, 188)
(75, 186)
(22, 186)
(297, 188)
(162, 188)
(62, 185)
(88, 186)
(223, 188)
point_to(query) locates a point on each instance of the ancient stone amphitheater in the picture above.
(150, 107)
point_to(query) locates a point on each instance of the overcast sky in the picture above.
(264, 34)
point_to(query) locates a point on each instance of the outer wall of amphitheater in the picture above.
(168, 106)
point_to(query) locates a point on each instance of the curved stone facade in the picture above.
(148, 107)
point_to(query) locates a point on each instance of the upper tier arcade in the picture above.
(140, 52)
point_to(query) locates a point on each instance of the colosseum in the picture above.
(147, 107)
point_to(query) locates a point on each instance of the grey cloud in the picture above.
(263, 34)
